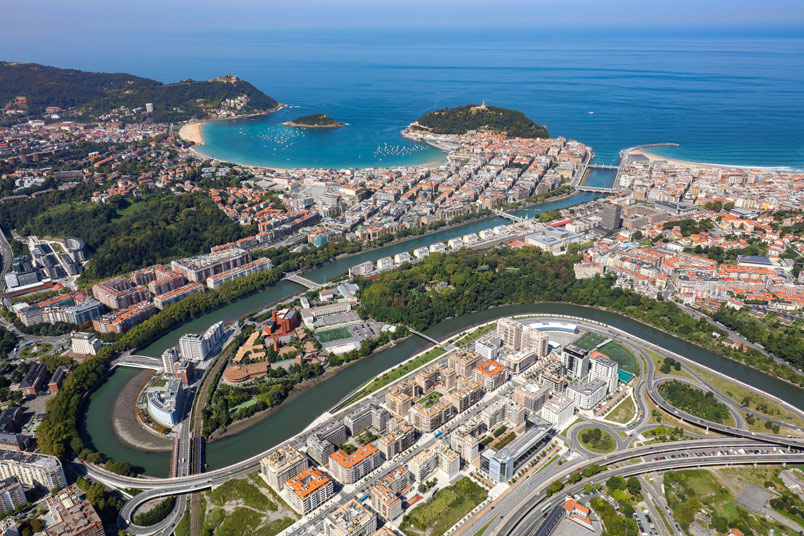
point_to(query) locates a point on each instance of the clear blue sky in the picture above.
(64, 17)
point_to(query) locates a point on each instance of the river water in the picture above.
(292, 417)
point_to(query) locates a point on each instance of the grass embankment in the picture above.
(696, 402)
(397, 372)
(476, 334)
(658, 361)
(244, 506)
(444, 509)
(751, 401)
(623, 412)
(597, 440)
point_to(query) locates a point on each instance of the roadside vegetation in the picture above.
(243, 506)
(623, 412)
(444, 509)
(702, 404)
(597, 440)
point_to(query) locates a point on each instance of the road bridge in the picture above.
(303, 281)
(515, 219)
(596, 189)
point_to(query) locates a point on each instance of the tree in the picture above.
(614, 483)
(634, 486)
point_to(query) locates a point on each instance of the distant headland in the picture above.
(477, 118)
(314, 121)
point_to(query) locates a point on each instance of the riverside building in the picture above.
(308, 490)
(281, 465)
(349, 469)
(32, 470)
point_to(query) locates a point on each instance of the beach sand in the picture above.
(688, 163)
(193, 132)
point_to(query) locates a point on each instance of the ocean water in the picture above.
(724, 99)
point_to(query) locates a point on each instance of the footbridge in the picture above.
(303, 281)
(139, 361)
(430, 339)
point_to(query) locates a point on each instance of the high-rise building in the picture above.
(531, 396)
(350, 468)
(611, 216)
(576, 360)
(510, 331)
(605, 369)
(490, 375)
(11, 494)
(85, 343)
(308, 490)
(351, 519)
(558, 410)
(281, 465)
(32, 470)
(169, 358)
(536, 340)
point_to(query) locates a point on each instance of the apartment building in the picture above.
(386, 495)
(198, 269)
(351, 519)
(400, 398)
(254, 267)
(531, 396)
(464, 362)
(74, 515)
(348, 469)
(605, 369)
(427, 419)
(281, 465)
(119, 293)
(438, 457)
(466, 394)
(558, 410)
(308, 490)
(510, 331)
(32, 470)
(11, 494)
(399, 437)
(490, 375)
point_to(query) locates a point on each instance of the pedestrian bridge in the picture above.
(139, 361)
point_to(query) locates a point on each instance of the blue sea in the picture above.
(724, 99)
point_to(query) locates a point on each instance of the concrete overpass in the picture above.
(303, 281)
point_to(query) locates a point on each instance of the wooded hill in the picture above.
(472, 117)
(98, 93)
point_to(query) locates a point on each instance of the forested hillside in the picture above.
(472, 117)
(45, 86)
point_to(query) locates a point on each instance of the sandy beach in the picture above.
(193, 132)
(688, 163)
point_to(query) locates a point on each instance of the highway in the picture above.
(520, 493)
(527, 517)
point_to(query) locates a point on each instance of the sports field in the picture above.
(333, 334)
(589, 341)
(624, 358)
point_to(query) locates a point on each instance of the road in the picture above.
(525, 519)
(191, 483)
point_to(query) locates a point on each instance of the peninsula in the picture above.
(465, 119)
(314, 121)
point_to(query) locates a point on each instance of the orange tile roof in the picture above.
(307, 482)
(346, 460)
(490, 368)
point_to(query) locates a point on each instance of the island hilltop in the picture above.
(314, 121)
(472, 117)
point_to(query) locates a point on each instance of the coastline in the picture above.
(193, 131)
(653, 157)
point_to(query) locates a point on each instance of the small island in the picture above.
(314, 121)
(472, 117)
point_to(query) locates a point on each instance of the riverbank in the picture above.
(125, 424)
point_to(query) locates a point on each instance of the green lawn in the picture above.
(589, 340)
(624, 358)
(623, 412)
(35, 350)
(606, 442)
(330, 335)
(394, 374)
(476, 334)
(430, 399)
(444, 509)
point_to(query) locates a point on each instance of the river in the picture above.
(297, 413)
